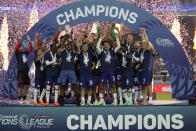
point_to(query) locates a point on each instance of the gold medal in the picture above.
(41, 68)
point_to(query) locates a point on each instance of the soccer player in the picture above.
(40, 76)
(135, 63)
(151, 62)
(127, 74)
(144, 72)
(108, 67)
(85, 68)
(52, 73)
(67, 72)
(23, 69)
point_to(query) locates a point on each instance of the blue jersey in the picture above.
(118, 60)
(144, 59)
(126, 67)
(85, 62)
(22, 62)
(67, 60)
(152, 60)
(97, 70)
(40, 72)
(107, 61)
(51, 70)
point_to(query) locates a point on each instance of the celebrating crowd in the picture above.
(85, 61)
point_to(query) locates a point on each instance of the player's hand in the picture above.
(45, 40)
(142, 29)
(28, 38)
(137, 67)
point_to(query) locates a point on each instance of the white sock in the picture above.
(125, 94)
(48, 93)
(72, 93)
(130, 96)
(35, 94)
(101, 97)
(56, 92)
(42, 94)
(115, 97)
(89, 98)
(82, 99)
(150, 98)
(120, 93)
(136, 96)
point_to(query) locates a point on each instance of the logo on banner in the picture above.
(164, 42)
(26, 123)
(37, 121)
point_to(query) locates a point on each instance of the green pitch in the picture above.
(164, 96)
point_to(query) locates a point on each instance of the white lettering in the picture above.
(69, 15)
(69, 125)
(178, 123)
(112, 122)
(113, 12)
(129, 120)
(146, 122)
(91, 11)
(100, 9)
(79, 13)
(84, 122)
(132, 17)
(100, 123)
(165, 122)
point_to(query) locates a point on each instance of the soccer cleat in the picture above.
(21, 101)
(82, 103)
(56, 103)
(114, 104)
(35, 102)
(47, 103)
(129, 103)
(26, 102)
(101, 103)
(89, 103)
(95, 102)
(42, 102)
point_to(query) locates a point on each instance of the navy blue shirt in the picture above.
(67, 60)
(128, 68)
(51, 71)
(40, 74)
(118, 60)
(146, 61)
(96, 71)
(22, 62)
(152, 60)
(107, 63)
(85, 65)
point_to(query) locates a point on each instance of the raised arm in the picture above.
(118, 45)
(30, 45)
(98, 47)
(18, 43)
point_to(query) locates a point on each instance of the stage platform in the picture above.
(69, 102)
